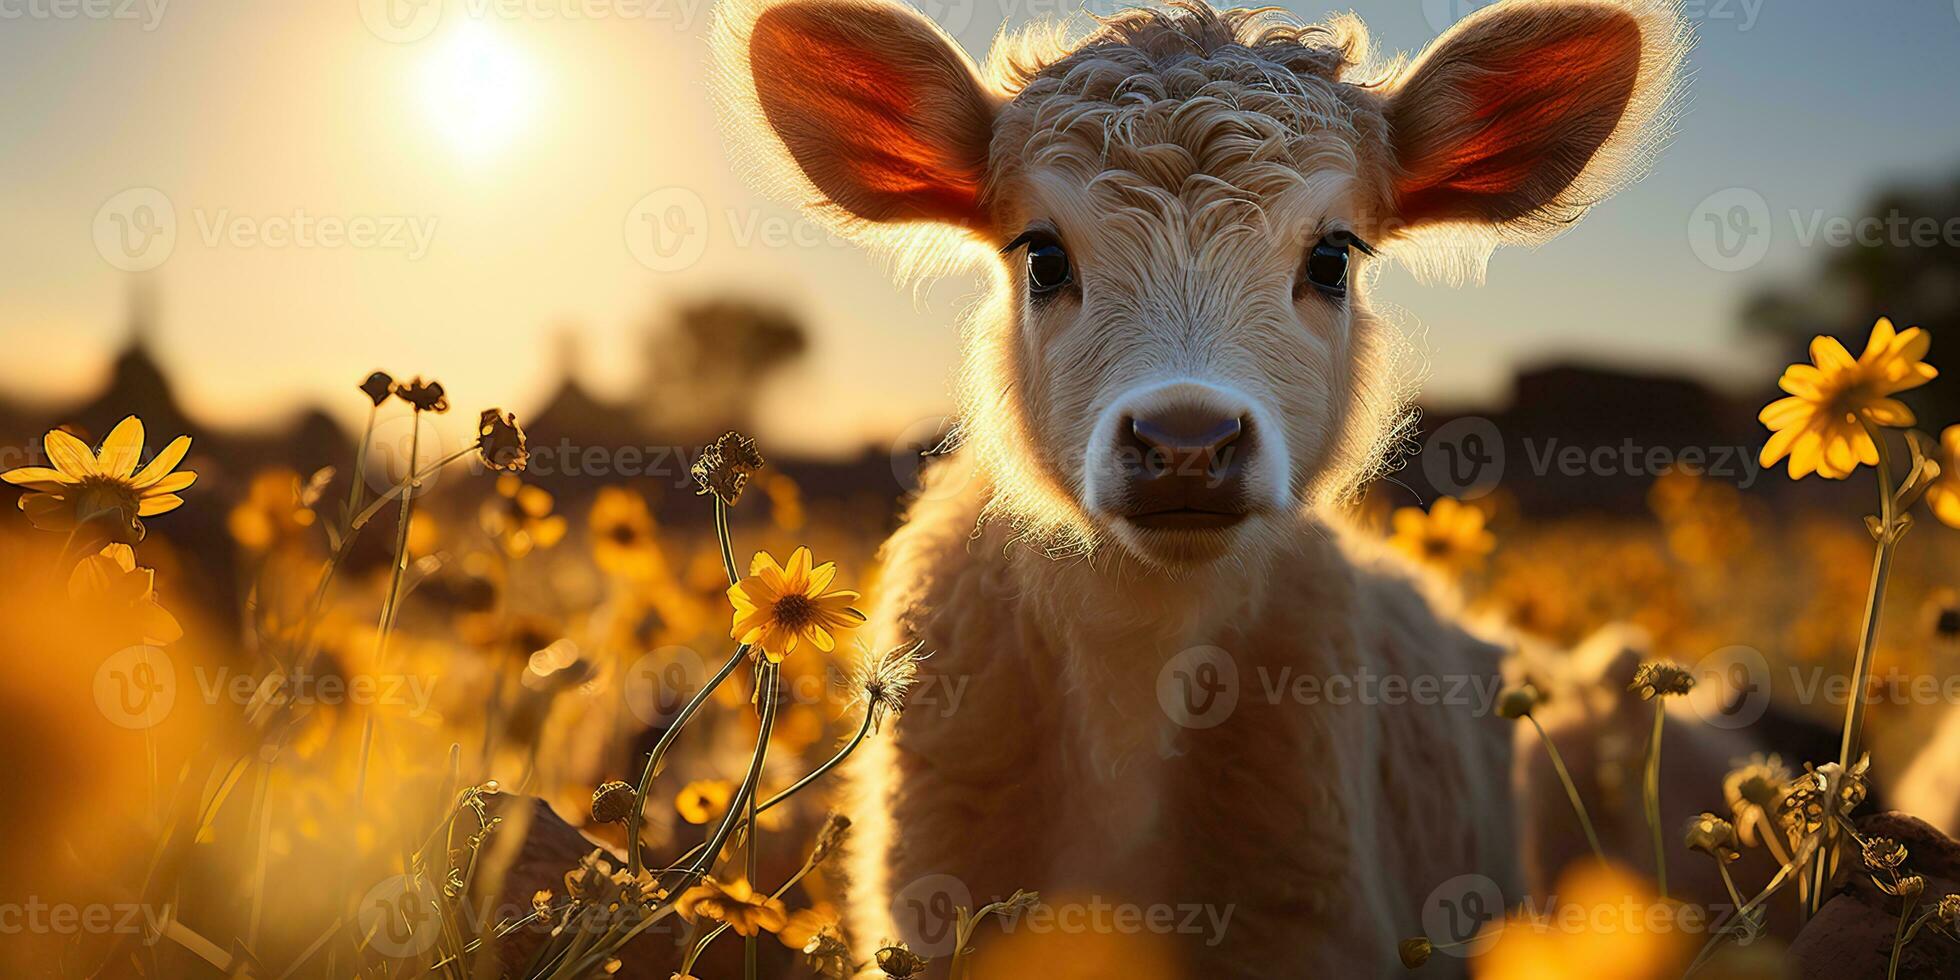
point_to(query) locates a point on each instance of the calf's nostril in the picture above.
(1184, 443)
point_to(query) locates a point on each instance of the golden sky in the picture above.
(446, 186)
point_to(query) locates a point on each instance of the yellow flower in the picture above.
(83, 487)
(1451, 535)
(520, 517)
(622, 533)
(776, 607)
(1944, 495)
(804, 924)
(1824, 426)
(109, 583)
(272, 512)
(704, 800)
(735, 903)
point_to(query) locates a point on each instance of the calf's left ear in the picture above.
(1528, 112)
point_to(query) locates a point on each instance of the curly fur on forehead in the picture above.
(1186, 123)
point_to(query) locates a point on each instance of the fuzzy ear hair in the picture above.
(863, 110)
(1528, 112)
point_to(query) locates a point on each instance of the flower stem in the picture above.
(1854, 711)
(1571, 789)
(638, 814)
(864, 729)
(359, 473)
(1653, 796)
(1899, 937)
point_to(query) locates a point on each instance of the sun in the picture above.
(478, 90)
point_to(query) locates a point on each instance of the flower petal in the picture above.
(122, 449)
(69, 454)
(1785, 412)
(41, 478)
(798, 572)
(171, 484)
(163, 463)
(48, 512)
(1830, 356)
(152, 506)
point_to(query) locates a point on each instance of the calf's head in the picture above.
(1179, 209)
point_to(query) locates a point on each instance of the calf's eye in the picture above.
(1326, 265)
(1048, 264)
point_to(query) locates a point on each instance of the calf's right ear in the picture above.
(862, 109)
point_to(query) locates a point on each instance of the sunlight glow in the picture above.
(478, 90)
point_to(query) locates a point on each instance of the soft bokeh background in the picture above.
(563, 235)
(529, 136)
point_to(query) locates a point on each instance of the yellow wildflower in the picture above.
(704, 800)
(103, 487)
(1451, 535)
(1825, 425)
(272, 512)
(109, 583)
(1944, 495)
(777, 607)
(743, 909)
(622, 533)
(520, 517)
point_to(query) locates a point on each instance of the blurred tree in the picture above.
(708, 360)
(1904, 262)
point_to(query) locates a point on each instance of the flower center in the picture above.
(100, 493)
(795, 610)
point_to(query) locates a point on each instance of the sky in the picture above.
(452, 187)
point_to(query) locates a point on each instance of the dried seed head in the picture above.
(612, 802)
(426, 396)
(1884, 852)
(1415, 951)
(1714, 837)
(378, 386)
(1517, 702)
(829, 837)
(1661, 678)
(899, 962)
(881, 680)
(500, 442)
(724, 467)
